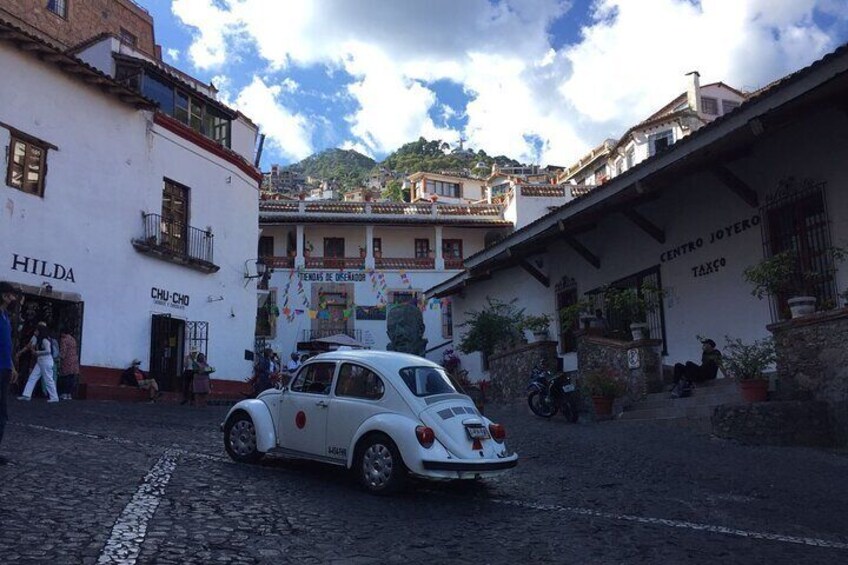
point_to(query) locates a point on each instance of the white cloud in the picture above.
(173, 55)
(356, 146)
(288, 131)
(629, 61)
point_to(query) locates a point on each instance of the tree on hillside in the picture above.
(394, 191)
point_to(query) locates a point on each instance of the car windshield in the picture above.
(426, 381)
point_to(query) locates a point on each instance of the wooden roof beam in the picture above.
(645, 224)
(535, 273)
(736, 185)
(581, 250)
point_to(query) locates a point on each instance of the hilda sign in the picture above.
(42, 268)
(170, 298)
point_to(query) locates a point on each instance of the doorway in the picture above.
(167, 345)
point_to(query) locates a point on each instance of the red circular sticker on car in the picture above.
(300, 420)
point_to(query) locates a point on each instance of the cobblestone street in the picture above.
(109, 482)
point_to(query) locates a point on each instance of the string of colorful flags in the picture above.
(323, 311)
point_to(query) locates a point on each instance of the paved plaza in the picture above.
(120, 482)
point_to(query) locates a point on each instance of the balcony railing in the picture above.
(279, 262)
(453, 263)
(335, 262)
(419, 263)
(176, 242)
(309, 335)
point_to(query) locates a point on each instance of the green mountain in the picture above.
(347, 167)
(434, 156)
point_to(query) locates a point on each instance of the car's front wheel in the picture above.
(379, 466)
(240, 438)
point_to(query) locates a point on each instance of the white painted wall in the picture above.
(108, 169)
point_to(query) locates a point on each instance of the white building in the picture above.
(690, 219)
(338, 266)
(129, 223)
(448, 188)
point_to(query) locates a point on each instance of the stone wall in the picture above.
(637, 363)
(812, 363)
(510, 370)
(775, 423)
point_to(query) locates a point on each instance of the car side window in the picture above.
(355, 381)
(315, 378)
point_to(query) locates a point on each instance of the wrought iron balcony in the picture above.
(176, 242)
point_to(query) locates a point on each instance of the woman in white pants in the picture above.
(43, 367)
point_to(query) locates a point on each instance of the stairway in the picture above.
(695, 409)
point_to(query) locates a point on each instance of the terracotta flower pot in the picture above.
(754, 390)
(603, 405)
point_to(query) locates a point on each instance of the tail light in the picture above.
(498, 432)
(425, 436)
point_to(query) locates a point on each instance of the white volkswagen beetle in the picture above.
(382, 414)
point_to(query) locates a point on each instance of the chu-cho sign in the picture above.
(162, 297)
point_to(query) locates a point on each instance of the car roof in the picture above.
(389, 361)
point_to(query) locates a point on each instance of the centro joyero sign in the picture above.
(169, 298)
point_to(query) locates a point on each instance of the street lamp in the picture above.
(261, 269)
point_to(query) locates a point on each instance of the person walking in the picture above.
(202, 385)
(68, 365)
(43, 370)
(8, 374)
(189, 371)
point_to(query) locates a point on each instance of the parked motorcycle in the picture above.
(548, 395)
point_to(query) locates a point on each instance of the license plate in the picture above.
(568, 388)
(477, 432)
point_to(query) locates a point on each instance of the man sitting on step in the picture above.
(685, 375)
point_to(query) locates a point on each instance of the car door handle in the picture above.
(322, 404)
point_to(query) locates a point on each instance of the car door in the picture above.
(357, 396)
(304, 408)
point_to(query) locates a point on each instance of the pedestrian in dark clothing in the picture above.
(685, 375)
(8, 374)
(262, 372)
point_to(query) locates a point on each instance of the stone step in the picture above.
(699, 396)
(668, 412)
(702, 424)
(711, 386)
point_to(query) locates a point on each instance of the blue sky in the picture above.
(541, 81)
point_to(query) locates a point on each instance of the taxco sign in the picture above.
(42, 268)
(169, 298)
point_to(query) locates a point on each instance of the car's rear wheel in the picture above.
(379, 466)
(240, 439)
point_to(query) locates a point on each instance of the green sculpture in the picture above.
(405, 327)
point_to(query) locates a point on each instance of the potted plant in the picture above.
(538, 326)
(307, 249)
(781, 275)
(746, 362)
(494, 327)
(603, 386)
(633, 305)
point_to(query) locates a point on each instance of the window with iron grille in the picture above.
(659, 142)
(447, 319)
(796, 221)
(452, 248)
(566, 295)
(618, 323)
(128, 38)
(197, 337)
(58, 7)
(422, 248)
(266, 246)
(27, 165)
(709, 106)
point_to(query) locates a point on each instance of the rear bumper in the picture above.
(471, 466)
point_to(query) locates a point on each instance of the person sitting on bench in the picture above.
(685, 375)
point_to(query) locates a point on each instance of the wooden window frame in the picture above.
(447, 319)
(327, 246)
(426, 251)
(446, 242)
(52, 5)
(28, 142)
(377, 245)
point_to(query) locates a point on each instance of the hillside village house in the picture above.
(760, 178)
(448, 188)
(129, 199)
